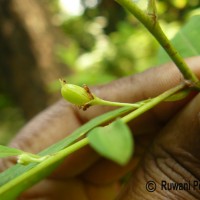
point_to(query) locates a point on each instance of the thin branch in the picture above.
(155, 29)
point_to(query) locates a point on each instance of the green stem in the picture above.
(152, 103)
(42, 166)
(157, 32)
(175, 56)
(98, 101)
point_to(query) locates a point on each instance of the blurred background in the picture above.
(83, 41)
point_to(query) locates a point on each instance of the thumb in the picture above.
(170, 168)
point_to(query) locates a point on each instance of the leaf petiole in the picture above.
(98, 101)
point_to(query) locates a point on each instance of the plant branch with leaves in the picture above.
(114, 140)
(150, 21)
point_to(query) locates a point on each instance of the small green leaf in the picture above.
(8, 151)
(178, 96)
(114, 141)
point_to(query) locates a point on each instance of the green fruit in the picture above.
(75, 94)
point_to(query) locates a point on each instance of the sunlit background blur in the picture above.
(83, 41)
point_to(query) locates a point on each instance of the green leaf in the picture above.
(8, 151)
(186, 41)
(113, 141)
(178, 96)
(18, 178)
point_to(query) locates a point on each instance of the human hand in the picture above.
(166, 139)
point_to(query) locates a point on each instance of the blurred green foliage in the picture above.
(102, 44)
(106, 42)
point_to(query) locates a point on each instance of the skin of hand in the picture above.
(166, 143)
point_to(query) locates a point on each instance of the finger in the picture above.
(173, 158)
(47, 128)
(61, 119)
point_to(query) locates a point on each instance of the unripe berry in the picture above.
(75, 94)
